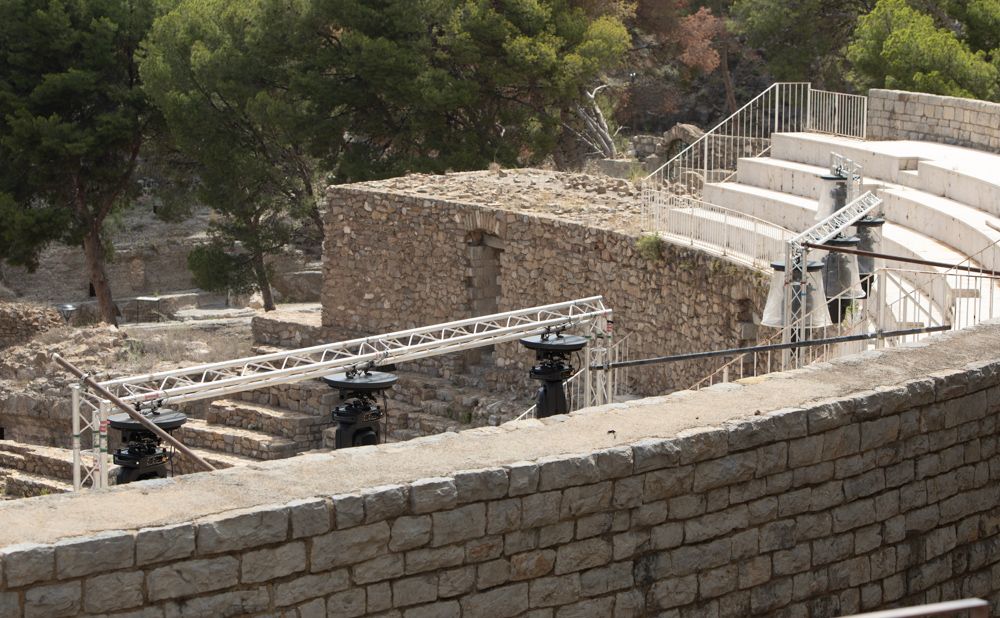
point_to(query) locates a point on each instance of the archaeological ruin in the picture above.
(817, 467)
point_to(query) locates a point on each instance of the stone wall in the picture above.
(19, 322)
(893, 114)
(864, 483)
(400, 261)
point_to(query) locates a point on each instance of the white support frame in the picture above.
(216, 380)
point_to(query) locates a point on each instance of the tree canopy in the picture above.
(72, 122)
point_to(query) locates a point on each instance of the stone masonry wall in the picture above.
(19, 322)
(400, 261)
(887, 493)
(893, 114)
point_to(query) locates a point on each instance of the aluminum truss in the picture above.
(216, 380)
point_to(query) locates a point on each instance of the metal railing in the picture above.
(782, 107)
(837, 113)
(746, 239)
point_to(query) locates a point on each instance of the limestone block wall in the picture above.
(894, 114)
(399, 261)
(19, 322)
(855, 485)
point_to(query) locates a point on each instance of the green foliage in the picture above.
(73, 119)
(434, 85)
(650, 246)
(896, 46)
(217, 268)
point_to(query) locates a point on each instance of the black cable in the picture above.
(769, 348)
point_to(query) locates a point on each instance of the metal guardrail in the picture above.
(965, 608)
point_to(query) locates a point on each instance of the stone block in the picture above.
(458, 525)
(702, 443)
(310, 517)
(503, 516)
(266, 564)
(667, 483)
(581, 500)
(231, 602)
(674, 592)
(350, 546)
(164, 543)
(854, 515)
(791, 561)
(777, 535)
(443, 609)
(540, 509)
(53, 601)
(385, 502)
(754, 572)
(595, 524)
(432, 559)
(27, 563)
(771, 596)
(485, 548)
(305, 587)
(717, 582)
(532, 564)
(492, 573)
(100, 553)
(628, 492)
(481, 485)
(113, 591)
(503, 602)
(191, 577)
(523, 478)
(346, 604)
(716, 524)
(654, 454)
(348, 510)
(614, 463)
(378, 569)
(242, 530)
(581, 555)
(688, 559)
(556, 534)
(729, 470)
(415, 590)
(554, 591)
(433, 494)
(603, 580)
(561, 471)
(410, 532)
(378, 597)
(588, 608)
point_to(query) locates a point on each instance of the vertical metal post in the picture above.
(588, 393)
(786, 327)
(102, 468)
(74, 390)
(880, 308)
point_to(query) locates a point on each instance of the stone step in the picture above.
(184, 465)
(52, 462)
(303, 428)
(245, 442)
(19, 484)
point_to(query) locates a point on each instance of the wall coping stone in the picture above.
(656, 431)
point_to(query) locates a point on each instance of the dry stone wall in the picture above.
(397, 261)
(894, 114)
(876, 497)
(19, 322)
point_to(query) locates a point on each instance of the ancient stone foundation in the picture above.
(19, 322)
(858, 484)
(893, 114)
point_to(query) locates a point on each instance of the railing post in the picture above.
(74, 390)
(102, 468)
(809, 109)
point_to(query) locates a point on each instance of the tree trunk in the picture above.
(727, 78)
(260, 270)
(93, 248)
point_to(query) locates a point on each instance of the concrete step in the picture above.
(245, 442)
(18, 484)
(303, 428)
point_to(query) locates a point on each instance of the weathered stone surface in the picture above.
(674, 591)
(430, 559)
(234, 602)
(385, 502)
(492, 573)
(655, 453)
(310, 517)
(459, 524)
(267, 564)
(562, 471)
(112, 591)
(378, 569)
(414, 590)
(97, 554)
(348, 603)
(502, 602)
(503, 516)
(581, 555)
(350, 546)
(378, 597)
(348, 510)
(307, 587)
(454, 582)
(480, 485)
(554, 591)
(53, 601)
(164, 543)
(540, 509)
(443, 609)
(410, 532)
(250, 528)
(28, 563)
(523, 478)
(191, 577)
(585, 499)
(435, 494)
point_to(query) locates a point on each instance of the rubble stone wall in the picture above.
(894, 114)
(400, 261)
(19, 322)
(864, 500)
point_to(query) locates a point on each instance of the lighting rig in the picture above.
(143, 456)
(552, 350)
(360, 416)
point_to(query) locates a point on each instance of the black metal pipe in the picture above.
(770, 347)
(899, 258)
